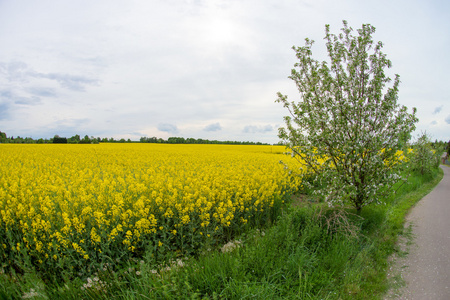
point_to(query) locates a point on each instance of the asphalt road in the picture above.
(427, 266)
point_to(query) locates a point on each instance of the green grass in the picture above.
(312, 252)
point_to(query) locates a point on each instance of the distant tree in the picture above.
(348, 127)
(85, 140)
(59, 140)
(95, 140)
(176, 140)
(424, 158)
(74, 139)
(3, 137)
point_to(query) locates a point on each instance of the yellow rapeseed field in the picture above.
(75, 206)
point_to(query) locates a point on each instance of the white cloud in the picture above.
(213, 127)
(437, 109)
(257, 129)
(144, 66)
(4, 110)
(447, 120)
(170, 128)
(71, 82)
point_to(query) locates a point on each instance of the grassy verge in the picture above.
(312, 252)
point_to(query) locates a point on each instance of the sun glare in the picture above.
(220, 31)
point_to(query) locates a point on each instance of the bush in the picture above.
(59, 140)
(423, 158)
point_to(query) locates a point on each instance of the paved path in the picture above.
(427, 274)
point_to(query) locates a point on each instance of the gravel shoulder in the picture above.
(426, 269)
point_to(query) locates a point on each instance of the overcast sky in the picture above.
(197, 68)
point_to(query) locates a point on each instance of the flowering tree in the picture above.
(423, 158)
(347, 128)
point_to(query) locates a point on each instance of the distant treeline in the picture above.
(181, 140)
(76, 139)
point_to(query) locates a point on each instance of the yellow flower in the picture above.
(95, 238)
(65, 197)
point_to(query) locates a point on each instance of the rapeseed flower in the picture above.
(60, 202)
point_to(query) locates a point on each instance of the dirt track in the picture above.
(426, 269)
